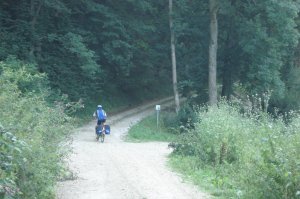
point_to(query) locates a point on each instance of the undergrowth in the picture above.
(33, 134)
(248, 154)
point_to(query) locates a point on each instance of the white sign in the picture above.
(157, 107)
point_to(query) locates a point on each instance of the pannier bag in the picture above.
(98, 130)
(107, 129)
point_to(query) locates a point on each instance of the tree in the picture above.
(173, 56)
(124, 46)
(108, 46)
(213, 47)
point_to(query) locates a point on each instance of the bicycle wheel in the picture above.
(102, 136)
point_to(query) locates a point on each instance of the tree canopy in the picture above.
(87, 48)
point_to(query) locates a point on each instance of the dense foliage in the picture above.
(250, 153)
(118, 52)
(88, 48)
(257, 48)
(122, 49)
(32, 134)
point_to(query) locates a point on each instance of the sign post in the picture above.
(157, 108)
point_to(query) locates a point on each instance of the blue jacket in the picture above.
(101, 114)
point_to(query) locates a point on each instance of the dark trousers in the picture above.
(99, 122)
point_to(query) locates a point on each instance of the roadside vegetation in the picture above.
(35, 126)
(233, 151)
(243, 153)
(33, 133)
(147, 130)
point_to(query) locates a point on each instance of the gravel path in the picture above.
(119, 170)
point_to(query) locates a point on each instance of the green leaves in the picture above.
(57, 5)
(30, 159)
(127, 43)
(267, 33)
(25, 77)
(74, 43)
(255, 151)
(11, 159)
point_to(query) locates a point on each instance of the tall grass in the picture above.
(251, 154)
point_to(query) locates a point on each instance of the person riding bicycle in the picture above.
(100, 114)
(101, 118)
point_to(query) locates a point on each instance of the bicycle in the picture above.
(100, 132)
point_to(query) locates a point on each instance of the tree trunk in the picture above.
(213, 47)
(173, 55)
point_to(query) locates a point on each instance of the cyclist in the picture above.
(100, 114)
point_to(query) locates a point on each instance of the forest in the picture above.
(60, 58)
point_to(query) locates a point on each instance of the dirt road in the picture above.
(119, 170)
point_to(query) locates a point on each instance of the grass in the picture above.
(146, 131)
(258, 154)
(204, 177)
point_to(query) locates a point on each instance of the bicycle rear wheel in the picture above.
(102, 137)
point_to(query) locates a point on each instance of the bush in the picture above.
(214, 139)
(10, 160)
(187, 117)
(276, 166)
(257, 152)
(171, 120)
(30, 170)
(184, 120)
(290, 101)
